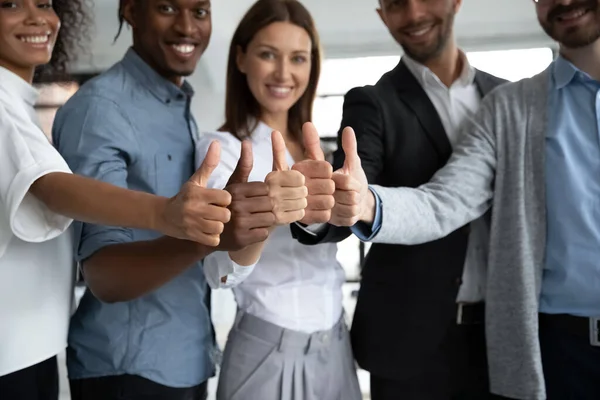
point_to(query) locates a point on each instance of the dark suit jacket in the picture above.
(407, 298)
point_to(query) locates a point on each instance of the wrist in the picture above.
(157, 212)
(368, 208)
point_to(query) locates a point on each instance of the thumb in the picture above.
(312, 142)
(279, 152)
(351, 160)
(211, 161)
(244, 165)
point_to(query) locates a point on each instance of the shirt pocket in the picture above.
(170, 174)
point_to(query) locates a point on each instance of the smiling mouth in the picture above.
(35, 39)
(418, 31)
(184, 49)
(572, 15)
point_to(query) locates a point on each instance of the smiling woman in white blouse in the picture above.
(39, 196)
(289, 340)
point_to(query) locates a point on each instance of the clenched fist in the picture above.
(197, 213)
(251, 207)
(318, 176)
(286, 188)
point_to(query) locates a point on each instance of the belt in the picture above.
(470, 313)
(584, 327)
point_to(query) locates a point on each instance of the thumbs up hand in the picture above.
(251, 207)
(286, 187)
(318, 175)
(197, 213)
(353, 199)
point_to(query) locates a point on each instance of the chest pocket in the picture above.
(171, 172)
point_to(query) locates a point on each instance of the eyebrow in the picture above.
(276, 49)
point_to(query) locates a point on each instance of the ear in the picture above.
(381, 15)
(128, 13)
(457, 4)
(240, 59)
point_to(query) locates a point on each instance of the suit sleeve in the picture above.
(363, 113)
(456, 195)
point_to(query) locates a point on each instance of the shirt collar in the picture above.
(160, 87)
(262, 131)
(17, 86)
(425, 76)
(564, 72)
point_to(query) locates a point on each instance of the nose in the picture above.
(35, 15)
(415, 10)
(184, 24)
(282, 69)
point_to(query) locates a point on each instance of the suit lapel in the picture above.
(415, 98)
(484, 83)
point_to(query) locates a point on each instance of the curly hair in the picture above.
(73, 37)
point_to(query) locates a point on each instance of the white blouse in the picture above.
(37, 271)
(294, 286)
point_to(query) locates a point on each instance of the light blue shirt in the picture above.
(571, 280)
(366, 232)
(132, 128)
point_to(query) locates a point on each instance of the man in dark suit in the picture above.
(418, 325)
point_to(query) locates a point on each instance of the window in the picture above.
(340, 75)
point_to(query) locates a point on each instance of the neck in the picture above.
(25, 73)
(585, 58)
(448, 65)
(177, 80)
(278, 122)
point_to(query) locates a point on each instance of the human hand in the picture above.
(318, 178)
(286, 187)
(197, 213)
(354, 201)
(251, 208)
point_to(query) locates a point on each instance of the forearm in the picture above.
(97, 202)
(126, 271)
(248, 255)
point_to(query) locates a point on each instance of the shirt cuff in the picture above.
(367, 232)
(313, 229)
(219, 265)
(238, 274)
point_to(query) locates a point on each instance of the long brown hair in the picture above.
(240, 104)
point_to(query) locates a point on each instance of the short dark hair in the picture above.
(72, 40)
(240, 104)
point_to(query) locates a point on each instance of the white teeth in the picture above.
(421, 31)
(184, 48)
(35, 39)
(280, 89)
(572, 15)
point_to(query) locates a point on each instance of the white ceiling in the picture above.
(348, 28)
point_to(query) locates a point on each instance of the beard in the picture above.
(425, 52)
(575, 36)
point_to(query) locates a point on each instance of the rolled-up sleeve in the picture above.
(26, 155)
(97, 140)
(219, 265)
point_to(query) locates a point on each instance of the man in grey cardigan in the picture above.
(532, 154)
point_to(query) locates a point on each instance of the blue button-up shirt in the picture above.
(132, 128)
(571, 280)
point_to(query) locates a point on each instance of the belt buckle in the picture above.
(595, 331)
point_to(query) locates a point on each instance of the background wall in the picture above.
(348, 29)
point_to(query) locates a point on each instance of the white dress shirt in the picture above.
(37, 271)
(454, 104)
(294, 286)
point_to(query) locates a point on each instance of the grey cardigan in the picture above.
(499, 163)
